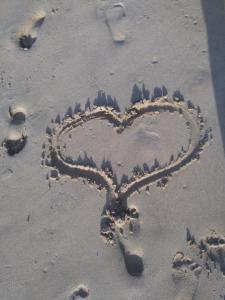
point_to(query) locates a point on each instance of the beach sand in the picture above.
(112, 159)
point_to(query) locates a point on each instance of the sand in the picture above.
(112, 158)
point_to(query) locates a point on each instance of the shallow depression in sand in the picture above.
(149, 137)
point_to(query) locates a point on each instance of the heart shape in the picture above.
(105, 178)
(116, 215)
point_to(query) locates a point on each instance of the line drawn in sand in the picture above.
(116, 214)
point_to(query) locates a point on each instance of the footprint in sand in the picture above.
(185, 274)
(113, 14)
(15, 142)
(132, 258)
(81, 292)
(17, 115)
(210, 252)
(28, 33)
(214, 247)
(124, 231)
(16, 138)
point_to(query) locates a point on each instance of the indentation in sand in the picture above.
(17, 115)
(27, 35)
(15, 142)
(113, 14)
(81, 292)
(210, 251)
(185, 274)
(16, 139)
(207, 255)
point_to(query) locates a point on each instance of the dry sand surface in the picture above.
(112, 123)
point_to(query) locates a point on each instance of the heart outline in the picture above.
(116, 209)
(198, 138)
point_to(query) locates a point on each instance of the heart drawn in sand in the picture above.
(104, 177)
(116, 214)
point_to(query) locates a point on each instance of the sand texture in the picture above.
(112, 130)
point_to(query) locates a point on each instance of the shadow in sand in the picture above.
(105, 100)
(214, 14)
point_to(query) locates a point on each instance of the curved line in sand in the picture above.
(198, 138)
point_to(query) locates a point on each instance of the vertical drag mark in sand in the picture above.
(116, 210)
